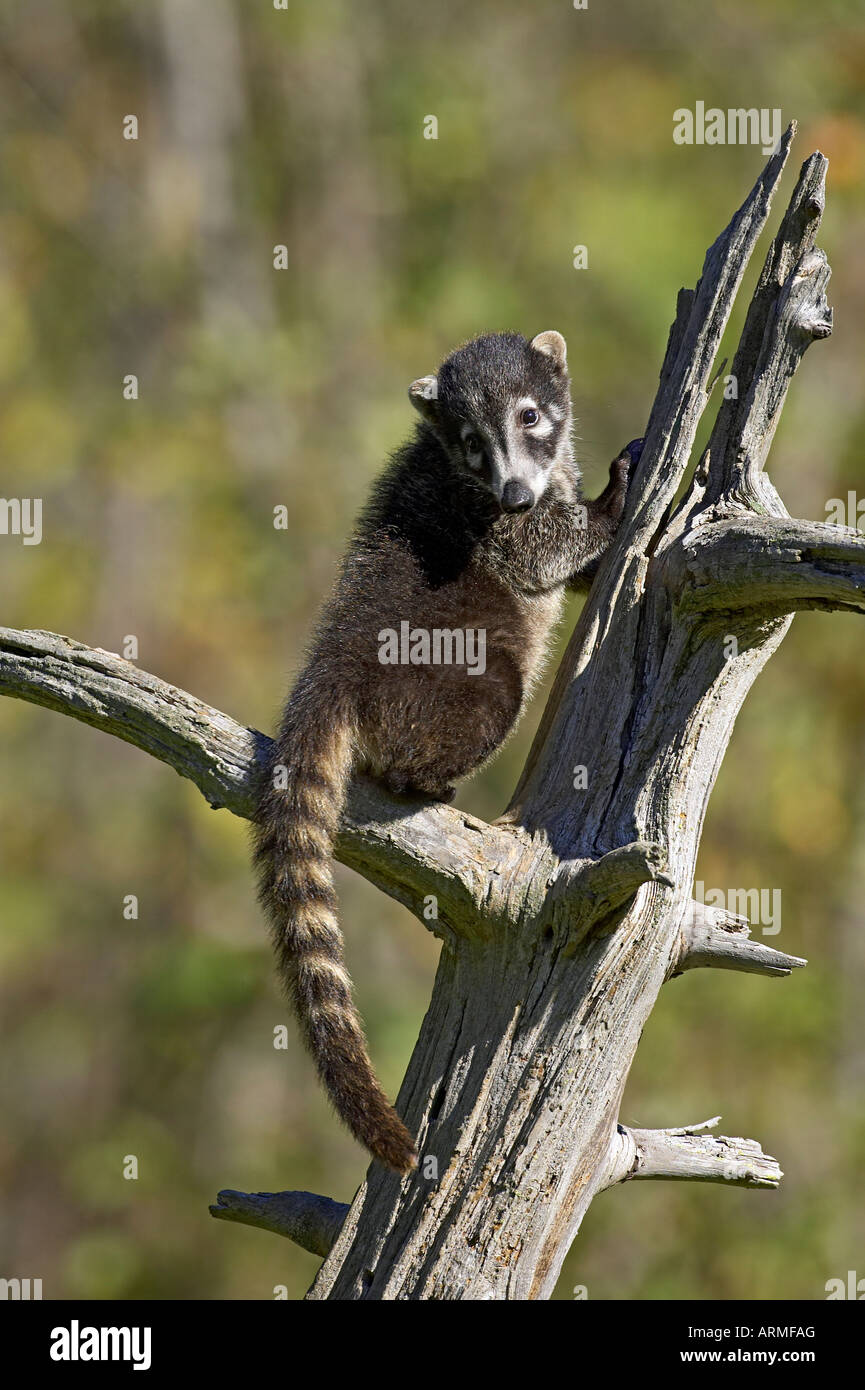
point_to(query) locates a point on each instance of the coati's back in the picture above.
(456, 536)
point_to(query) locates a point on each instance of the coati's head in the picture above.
(501, 407)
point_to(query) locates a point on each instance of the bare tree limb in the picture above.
(309, 1220)
(768, 562)
(688, 1155)
(410, 850)
(713, 937)
(787, 313)
(585, 895)
(103, 690)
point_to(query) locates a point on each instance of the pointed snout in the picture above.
(516, 497)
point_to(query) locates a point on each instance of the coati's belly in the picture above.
(453, 668)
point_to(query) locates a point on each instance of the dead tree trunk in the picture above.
(561, 922)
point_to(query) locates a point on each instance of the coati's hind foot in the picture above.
(403, 784)
(436, 791)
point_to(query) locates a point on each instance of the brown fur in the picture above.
(432, 548)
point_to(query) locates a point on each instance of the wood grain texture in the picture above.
(311, 1221)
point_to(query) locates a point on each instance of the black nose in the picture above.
(516, 497)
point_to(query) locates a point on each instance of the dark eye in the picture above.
(472, 443)
(530, 416)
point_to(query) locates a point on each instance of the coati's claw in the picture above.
(634, 449)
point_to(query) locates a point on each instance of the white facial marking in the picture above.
(515, 462)
(542, 427)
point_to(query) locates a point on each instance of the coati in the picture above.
(477, 523)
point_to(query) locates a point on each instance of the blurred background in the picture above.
(261, 387)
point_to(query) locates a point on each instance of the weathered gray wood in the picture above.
(768, 565)
(690, 1155)
(561, 922)
(712, 937)
(309, 1220)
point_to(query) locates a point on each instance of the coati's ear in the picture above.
(553, 345)
(423, 395)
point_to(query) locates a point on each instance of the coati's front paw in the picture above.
(621, 472)
(621, 467)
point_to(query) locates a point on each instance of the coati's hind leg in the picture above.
(448, 734)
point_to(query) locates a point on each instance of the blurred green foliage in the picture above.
(304, 127)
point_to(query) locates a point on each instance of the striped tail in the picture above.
(296, 822)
